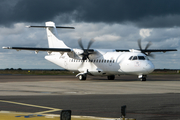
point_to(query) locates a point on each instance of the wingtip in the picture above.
(6, 47)
(28, 26)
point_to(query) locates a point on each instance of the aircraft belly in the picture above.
(108, 69)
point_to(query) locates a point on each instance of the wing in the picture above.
(159, 50)
(40, 49)
(70, 50)
(149, 50)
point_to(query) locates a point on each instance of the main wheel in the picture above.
(143, 78)
(82, 77)
(111, 77)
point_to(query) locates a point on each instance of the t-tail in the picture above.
(53, 40)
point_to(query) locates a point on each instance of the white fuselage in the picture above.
(108, 63)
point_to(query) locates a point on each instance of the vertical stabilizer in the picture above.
(53, 40)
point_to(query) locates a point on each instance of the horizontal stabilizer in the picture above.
(51, 27)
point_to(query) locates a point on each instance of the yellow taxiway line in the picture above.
(7, 115)
(18, 103)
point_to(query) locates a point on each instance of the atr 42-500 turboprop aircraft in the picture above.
(106, 62)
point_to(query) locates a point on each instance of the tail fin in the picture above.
(52, 35)
(53, 40)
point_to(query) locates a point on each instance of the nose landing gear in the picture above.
(82, 77)
(111, 77)
(142, 77)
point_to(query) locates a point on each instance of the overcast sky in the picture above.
(112, 23)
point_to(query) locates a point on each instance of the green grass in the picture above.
(165, 72)
(37, 72)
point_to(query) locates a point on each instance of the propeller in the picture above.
(86, 52)
(144, 50)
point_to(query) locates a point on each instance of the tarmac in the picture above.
(42, 97)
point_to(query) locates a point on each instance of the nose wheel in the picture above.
(142, 77)
(111, 77)
(82, 77)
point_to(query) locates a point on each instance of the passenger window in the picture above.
(104, 61)
(134, 58)
(107, 61)
(141, 57)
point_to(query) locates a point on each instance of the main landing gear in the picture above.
(83, 77)
(142, 77)
(111, 77)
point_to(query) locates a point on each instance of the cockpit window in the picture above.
(130, 58)
(134, 58)
(141, 57)
(138, 58)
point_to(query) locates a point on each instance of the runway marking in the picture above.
(38, 106)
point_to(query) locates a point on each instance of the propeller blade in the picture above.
(86, 53)
(139, 44)
(144, 50)
(147, 46)
(90, 43)
(80, 43)
(151, 55)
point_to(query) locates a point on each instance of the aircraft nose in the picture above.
(149, 67)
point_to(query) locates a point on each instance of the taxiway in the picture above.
(157, 98)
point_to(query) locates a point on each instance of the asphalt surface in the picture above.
(156, 99)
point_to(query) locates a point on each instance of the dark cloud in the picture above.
(143, 13)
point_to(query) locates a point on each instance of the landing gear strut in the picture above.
(82, 77)
(142, 77)
(111, 77)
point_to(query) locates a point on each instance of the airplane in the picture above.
(101, 62)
